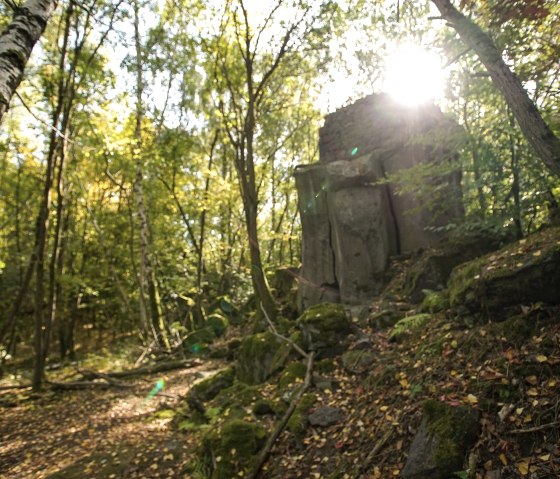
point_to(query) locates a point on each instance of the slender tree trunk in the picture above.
(16, 44)
(43, 218)
(147, 272)
(534, 128)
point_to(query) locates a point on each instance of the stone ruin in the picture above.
(353, 215)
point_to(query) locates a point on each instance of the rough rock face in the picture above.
(440, 445)
(352, 218)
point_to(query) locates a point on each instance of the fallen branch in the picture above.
(535, 429)
(378, 446)
(283, 338)
(151, 369)
(79, 385)
(263, 456)
(17, 386)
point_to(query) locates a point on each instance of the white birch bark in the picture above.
(16, 44)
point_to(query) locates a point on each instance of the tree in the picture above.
(16, 44)
(538, 133)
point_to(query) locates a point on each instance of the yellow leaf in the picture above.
(472, 399)
(551, 383)
(523, 467)
(376, 473)
(168, 457)
(528, 418)
(544, 457)
(404, 383)
(383, 408)
(503, 459)
(541, 358)
(532, 392)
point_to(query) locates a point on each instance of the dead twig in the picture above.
(535, 429)
(378, 446)
(263, 456)
(283, 338)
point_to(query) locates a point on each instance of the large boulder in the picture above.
(325, 327)
(442, 441)
(259, 357)
(522, 273)
(231, 448)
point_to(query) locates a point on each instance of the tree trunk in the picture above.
(147, 273)
(534, 128)
(16, 44)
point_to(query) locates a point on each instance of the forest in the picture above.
(151, 322)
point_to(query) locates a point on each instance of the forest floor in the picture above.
(98, 433)
(508, 371)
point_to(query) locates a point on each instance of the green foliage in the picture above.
(409, 325)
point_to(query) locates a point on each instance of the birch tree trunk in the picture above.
(539, 135)
(148, 281)
(16, 44)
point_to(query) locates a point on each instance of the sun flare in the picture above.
(413, 75)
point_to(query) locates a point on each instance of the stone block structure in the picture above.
(353, 216)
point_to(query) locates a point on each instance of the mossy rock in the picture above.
(358, 361)
(435, 302)
(259, 356)
(385, 319)
(268, 406)
(199, 339)
(442, 441)
(218, 324)
(297, 424)
(239, 394)
(233, 448)
(209, 388)
(291, 374)
(325, 366)
(522, 273)
(325, 327)
(433, 268)
(408, 326)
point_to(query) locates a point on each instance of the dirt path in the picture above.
(100, 434)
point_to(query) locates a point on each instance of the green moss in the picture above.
(232, 447)
(291, 374)
(196, 340)
(358, 361)
(408, 326)
(297, 424)
(452, 428)
(209, 388)
(259, 356)
(435, 302)
(324, 327)
(325, 366)
(239, 394)
(218, 324)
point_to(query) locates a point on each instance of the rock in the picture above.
(291, 374)
(324, 383)
(432, 269)
(522, 273)
(209, 388)
(346, 245)
(217, 323)
(199, 339)
(236, 443)
(297, 424)
(442, 441)
(259, 356)
(358, 361)
(407, 326)
(385, 319)
(326, 416)
(324, 328)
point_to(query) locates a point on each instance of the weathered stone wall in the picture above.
(352, 218)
